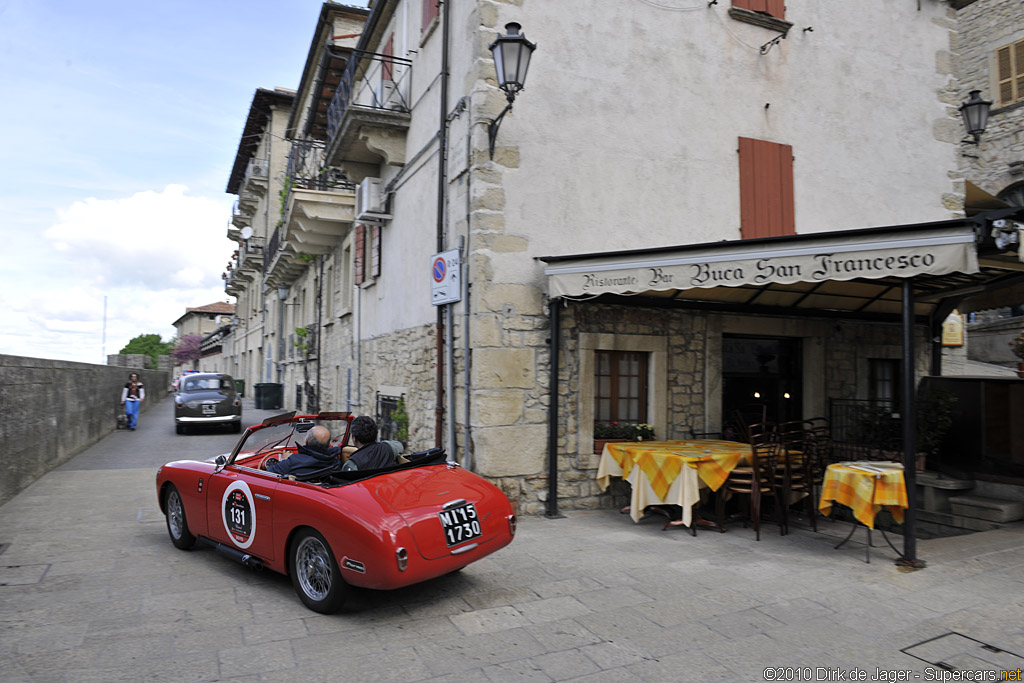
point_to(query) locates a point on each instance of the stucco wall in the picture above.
(50, 410)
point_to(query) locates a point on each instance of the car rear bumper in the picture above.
(208, 420)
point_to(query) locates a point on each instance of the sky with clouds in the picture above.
(118, 130)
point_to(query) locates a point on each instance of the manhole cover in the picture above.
(22, 574)
(957, 652)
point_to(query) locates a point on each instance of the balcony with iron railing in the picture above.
(234, 281)
(250, 254)
(369, 114)
(241, 215)
(317, 210)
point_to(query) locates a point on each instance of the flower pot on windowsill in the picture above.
(599, 444)
(1020, 369)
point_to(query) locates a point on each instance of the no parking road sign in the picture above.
(446, 280)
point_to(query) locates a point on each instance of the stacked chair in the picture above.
(805, 453)
(759, 480)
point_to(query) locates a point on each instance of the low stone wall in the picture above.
(51, 410)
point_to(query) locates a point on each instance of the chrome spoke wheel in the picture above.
(313, 568)
(175, 514)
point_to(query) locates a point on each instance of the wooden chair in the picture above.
(800, 470)
(756, 481)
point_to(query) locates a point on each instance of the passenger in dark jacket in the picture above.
(313, 457)
(369, 454)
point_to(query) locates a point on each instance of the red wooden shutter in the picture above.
(359, 274)
(776, 8)
(375, 250)
(430, 10)
(766, 189)
(386, 63)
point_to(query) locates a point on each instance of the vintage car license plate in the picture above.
(460, 524)
(209, 408)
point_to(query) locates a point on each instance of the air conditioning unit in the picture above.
(257, 169)
(371, 201)
(387, 95)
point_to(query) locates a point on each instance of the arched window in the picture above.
(1014, 194)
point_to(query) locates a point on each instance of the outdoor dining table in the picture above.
(866, 488)
(670, 472)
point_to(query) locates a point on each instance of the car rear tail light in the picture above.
(512, 524)
(402, 555)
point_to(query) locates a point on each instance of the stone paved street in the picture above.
(91, 589)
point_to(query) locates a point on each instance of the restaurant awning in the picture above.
(856, 273)
(895, 273)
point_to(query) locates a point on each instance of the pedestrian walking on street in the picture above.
(131, 396)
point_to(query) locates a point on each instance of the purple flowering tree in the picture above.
(187, 350)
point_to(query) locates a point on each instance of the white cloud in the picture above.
(150, 241)
(150, 255)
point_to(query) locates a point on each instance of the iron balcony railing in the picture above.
(250, 250)
(373, 81)
(271, 250)
(306, 170)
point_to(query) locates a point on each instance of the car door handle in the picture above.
(260, 496)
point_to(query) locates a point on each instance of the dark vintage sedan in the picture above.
(207, 399)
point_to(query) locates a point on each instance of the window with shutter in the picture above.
(359, 274)
(386, 64)
(430, 12)
(775, 8)
(374, 251)
(766, 189)
(1010, 73)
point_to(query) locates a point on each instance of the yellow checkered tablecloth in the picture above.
(864, 492)
(667, 472)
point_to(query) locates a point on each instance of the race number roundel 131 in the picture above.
(239, 514)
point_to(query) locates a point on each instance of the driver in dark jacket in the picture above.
(314, 456)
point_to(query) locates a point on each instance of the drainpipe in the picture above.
(319, 328)
(282, 293)
(442, 188)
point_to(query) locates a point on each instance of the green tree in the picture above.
(148, 345)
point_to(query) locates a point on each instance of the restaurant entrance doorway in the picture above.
(761, 376)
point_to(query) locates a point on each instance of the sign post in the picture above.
(446, 278)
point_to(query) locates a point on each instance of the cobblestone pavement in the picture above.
(91, 589)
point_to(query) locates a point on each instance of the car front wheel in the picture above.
(177, 524)
(315, 573)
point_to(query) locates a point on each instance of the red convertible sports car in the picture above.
(383, 528)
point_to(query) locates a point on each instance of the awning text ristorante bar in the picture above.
(806, 258)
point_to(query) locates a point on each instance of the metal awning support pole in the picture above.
(909, 431)
(555, 306)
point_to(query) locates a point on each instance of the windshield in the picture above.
(206, 383)
(292, 433)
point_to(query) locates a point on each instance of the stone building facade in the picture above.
(990, 41)
(628, 136)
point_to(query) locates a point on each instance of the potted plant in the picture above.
(610, 432)
(1017, 346)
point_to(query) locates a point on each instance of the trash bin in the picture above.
(240, 387)
(269, 396)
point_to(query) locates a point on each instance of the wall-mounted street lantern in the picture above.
(512, 53)
(975, 112)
